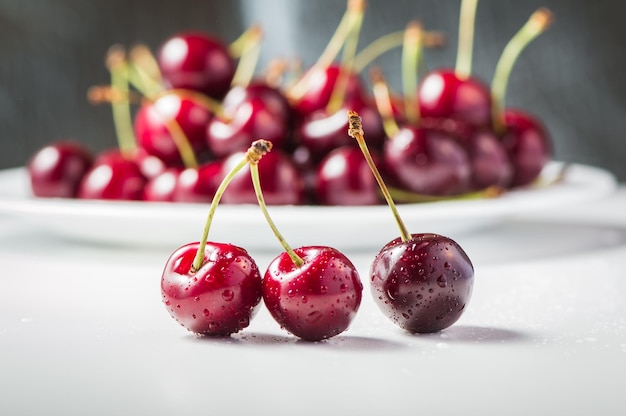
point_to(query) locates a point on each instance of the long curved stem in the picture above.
(356, 132)
(538, 22)
(122, 120)
(253, 155)
(254, 172)
(382, 99)
(467, 25)
(411, 53)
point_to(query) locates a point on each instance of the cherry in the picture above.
(321, 83)
(489, 161)
(444, 94)
(344, 178)
(55, 171)
(214, 288)
(421, 282)
(528, 144)
(112, 177)
(427, 161)
(317, 299)
(219, 298)
(197, 61)
(274, 100)
(162, 127)
(160, 188)
(198, 184)
(321, 132)
(253, 118)
(282, 181)
(314, 292)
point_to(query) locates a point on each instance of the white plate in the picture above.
(171, 225)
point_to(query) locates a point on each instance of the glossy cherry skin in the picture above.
(197, 61)
(443, 94)
(344, 178)
(427, 161)
(317, 300)
(321, 132)
(422, 285)
(161, 187)
(221, 298)
(274, 100)
(198, 184)
(489, 160)
(280, 179)
(113, 177)
(320, 83)
(528, 144)
(56, 170)
(153, 134)
(252, 119)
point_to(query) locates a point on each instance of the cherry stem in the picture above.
(538, 22)
(411, 54)
(387, 42)
(255, 152)
(145, 74)
(254, 173)
(467, 26)
(382, 99)
(355, 130)
(118, 67)
(354, 10)
(249, 56)
(211, 105)
(346, 65)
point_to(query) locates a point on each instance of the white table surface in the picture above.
(83, 332)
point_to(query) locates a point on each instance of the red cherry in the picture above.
(161, 187)
(252, 119)
(221, 297)
(153, 134)
(427, 161)
(489, 160)
(198, 184)
(274, 100)
(55, 171)
(197, 61)
(320, 83)
(316, 300)
(423, 284)
(112, 177)
(344, 178)
(282, 181)
(528, 144)
(443, 94)
(321, 132)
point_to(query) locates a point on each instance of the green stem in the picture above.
(254, 173)
(199, 259)
(249, 57)
(356, 132)
(382, 99)
(411, 54)
(332, 49)
(466, 38)
(538, 22)
(347, 64)
(122, 119)
(145, 74)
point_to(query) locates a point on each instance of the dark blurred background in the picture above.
(51, 52)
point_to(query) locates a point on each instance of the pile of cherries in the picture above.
(198, 107)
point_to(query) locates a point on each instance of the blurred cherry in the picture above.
(55, 170)
(197, 61)
(154, 123)
(344, 178)
(281, 180)
(113, 177)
